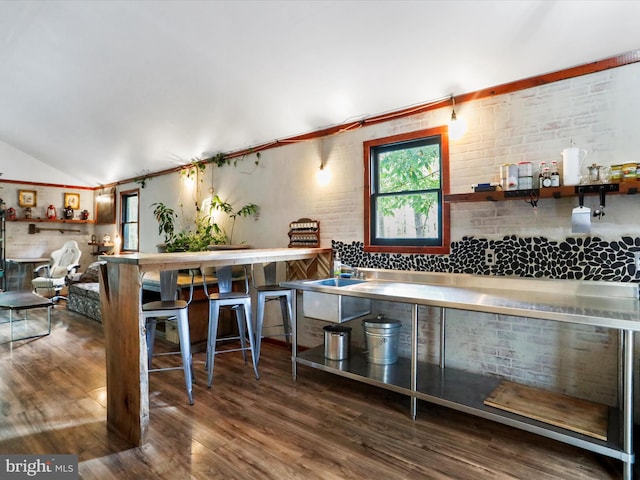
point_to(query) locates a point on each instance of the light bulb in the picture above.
(323, 175)
(457, 127)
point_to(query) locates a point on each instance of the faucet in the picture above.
(355, 273)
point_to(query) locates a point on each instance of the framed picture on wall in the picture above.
(27, 198)
(72, 200)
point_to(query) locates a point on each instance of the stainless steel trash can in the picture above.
(381, 336)
(336, 342)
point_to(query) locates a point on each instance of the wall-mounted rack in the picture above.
(33, 229)
(304, 232)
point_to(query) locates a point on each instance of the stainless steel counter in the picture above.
(603, 304)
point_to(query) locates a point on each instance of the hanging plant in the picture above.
(143, 179)
(220, 159)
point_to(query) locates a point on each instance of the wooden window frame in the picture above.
(123, 196)
(444, 248)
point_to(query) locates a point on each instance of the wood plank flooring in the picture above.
(52, 400)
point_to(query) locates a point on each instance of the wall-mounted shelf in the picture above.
(624, 188)
(304, 232)
(46, 220)
(99, 248)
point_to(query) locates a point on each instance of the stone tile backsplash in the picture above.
(574, 258)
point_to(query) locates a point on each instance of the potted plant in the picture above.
(205, 231)
(198, 239)
(165, 217)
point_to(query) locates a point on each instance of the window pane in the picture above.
(130, 236)
(404, 169)
(408, 216)
(131, 211)
(129, 221)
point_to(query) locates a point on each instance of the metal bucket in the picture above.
(336, 342)
(381, 338)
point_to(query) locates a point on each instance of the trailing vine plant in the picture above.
(220, 159)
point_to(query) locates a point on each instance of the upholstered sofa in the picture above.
(84, 292)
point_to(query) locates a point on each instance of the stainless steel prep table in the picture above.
(603, 304)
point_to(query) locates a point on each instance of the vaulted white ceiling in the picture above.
(100, 91)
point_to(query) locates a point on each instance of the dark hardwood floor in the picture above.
(52, 400)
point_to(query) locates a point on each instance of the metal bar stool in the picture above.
(240, 302)
(167, 308)
(266, 293)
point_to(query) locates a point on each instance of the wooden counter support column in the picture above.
(125, 349)
(125, 342)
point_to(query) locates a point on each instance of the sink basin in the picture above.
(336, 282)
(331, 307)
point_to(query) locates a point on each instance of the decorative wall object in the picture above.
(72, 200)
(27, 198)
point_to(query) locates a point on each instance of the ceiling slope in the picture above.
(103, 91)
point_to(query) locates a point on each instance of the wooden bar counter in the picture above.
(125, 342)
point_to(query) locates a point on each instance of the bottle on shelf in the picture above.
(546, 178)
(541, 174)
(555, 175)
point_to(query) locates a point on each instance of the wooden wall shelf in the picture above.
(624, 188)
(99, 248)
(46, 220)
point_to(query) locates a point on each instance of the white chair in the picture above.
(268, 292)
(240, 302)
(52, 277)
(169, 308)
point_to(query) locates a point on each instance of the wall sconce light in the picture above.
(324, 175)
(457, 125)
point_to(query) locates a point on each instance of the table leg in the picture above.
(37, 335)
(414, 360)
(294, 333)
(627, 439)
